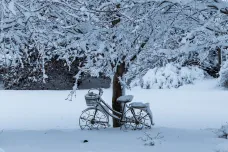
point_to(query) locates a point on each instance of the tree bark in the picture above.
(117, 92)
(219, 57)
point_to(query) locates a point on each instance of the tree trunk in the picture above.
(117, 92)
(219, 57)
(219, 60)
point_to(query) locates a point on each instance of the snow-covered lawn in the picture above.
(43, 121)
(110, 140)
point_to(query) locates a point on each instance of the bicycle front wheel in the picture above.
(93, 118)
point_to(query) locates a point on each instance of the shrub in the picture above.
(169, 76)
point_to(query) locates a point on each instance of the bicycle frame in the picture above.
(103, 106)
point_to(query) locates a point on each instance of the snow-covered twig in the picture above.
(149, 140)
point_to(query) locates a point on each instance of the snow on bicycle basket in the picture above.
(91, 99)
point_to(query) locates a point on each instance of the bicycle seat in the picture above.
(138, 105)
(125, 99)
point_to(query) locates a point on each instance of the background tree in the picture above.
(130, 34)
(120, 39)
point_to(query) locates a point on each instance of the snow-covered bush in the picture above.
(223, 131)
(170, 76)
(223, 75)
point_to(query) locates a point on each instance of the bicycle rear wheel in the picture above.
(137, 119)
(93, 118)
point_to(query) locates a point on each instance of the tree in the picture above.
(127, 31)
(120, 39)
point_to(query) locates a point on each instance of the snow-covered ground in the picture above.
(43, 121)
(110, 140)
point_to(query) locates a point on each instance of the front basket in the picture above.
(91, 99)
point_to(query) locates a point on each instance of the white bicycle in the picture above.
(136, 116)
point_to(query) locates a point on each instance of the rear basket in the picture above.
(91, 99)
